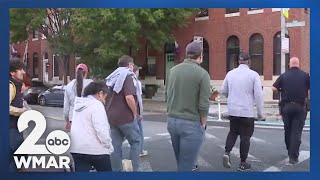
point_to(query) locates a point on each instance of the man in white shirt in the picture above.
(242, 87)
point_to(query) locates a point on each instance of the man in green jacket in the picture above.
(187, 97)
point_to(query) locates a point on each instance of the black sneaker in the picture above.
(293, 161)
(195, 168)
(226, 160)
(244, 166)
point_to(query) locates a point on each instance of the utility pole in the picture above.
(283, 36)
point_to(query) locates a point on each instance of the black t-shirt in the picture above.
(293, 85)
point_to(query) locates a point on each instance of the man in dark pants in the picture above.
(294, 86)
(242, 87)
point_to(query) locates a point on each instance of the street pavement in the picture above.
(267, 150)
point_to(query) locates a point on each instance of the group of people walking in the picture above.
(101, 115)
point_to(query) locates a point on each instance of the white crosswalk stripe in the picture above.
(236, 152)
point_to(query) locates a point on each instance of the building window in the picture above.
(55, 66)
(151, 66)
(46, 56)
(35, 65)
(232, 10)
(203, 12)
(35, 35)
(277, 54)
(256, 53)
(252, 9)
(205, 58)
(233, 50)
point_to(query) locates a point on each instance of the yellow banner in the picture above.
(285, 12)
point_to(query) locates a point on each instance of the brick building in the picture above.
(41, 62)
(224, 32)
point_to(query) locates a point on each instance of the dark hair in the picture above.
(124, 61)
(95, 87)
(79, 86)
(16, 64)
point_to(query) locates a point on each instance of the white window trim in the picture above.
(232, 14)
(277, 9)
(201, 18)
(35, 39)
(37, 36)
(53, 64)
(257, 11)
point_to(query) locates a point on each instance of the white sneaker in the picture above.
(144, 153)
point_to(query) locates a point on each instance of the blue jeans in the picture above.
(187, 137)
(141, 134)
(131, 132)
(83, 162)
(16, 139)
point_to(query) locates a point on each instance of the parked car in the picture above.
(31, 95)
(52, 96)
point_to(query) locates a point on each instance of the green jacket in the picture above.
(188, 91)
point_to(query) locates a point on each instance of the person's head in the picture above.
(294, 62)
(136, 70)
(17, 69)
(194, 51)
(82, 72)
(244, 58)
(126, 61)
(98, 90)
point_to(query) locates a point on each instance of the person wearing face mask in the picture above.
(90, 131)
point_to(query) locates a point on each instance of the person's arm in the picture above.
(101, 125)
(277, 84)
(204, 95)
(258, 95)
(224, 88)
(166, 87)
(14, 110)
(129, 91)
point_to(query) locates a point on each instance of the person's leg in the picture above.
(101, 162)
(298, 122)
(116, 156)
(191, 139)
(142, 152)
(175, 138)
(81, 162)
(246, 131)
(286, 117)
(233, 134)
(131, 132)
(16, 139)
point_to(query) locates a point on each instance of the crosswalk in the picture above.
(267, 154)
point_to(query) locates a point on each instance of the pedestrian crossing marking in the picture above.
(210, 136)
(163, 134)
(255, 139)
(236, 152)
(145, 166)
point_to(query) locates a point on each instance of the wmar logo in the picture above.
(57, 143)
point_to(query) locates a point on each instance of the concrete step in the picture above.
(157, 98)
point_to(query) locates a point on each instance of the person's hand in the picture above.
(261, 117)
(68, 126)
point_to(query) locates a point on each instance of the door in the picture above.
(169, 62)
(45, 70)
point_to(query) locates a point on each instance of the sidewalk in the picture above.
(271, 112)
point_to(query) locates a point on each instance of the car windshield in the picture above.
(37, 84)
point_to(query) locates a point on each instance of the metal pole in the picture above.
(283, 34)
(219, 114)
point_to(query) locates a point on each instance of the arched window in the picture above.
(35, 68)
(232, 50)
(46, 56)
(205, 60)
(277, 54)
(256, 53)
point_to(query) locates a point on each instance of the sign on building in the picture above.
(285, 45)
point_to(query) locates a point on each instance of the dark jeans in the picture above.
(84, 162)
(294, 116)
(240, 126)
(16, 139)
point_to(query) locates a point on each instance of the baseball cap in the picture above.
(244, 56)
(135, 68)
(83, 67)
(194, 47)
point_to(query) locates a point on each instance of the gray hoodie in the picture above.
(90, 130)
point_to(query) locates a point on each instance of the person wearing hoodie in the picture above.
(73, 89)
(90, 131)
(122, 110)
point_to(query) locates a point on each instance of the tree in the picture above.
(105, 34)
(53, 23)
